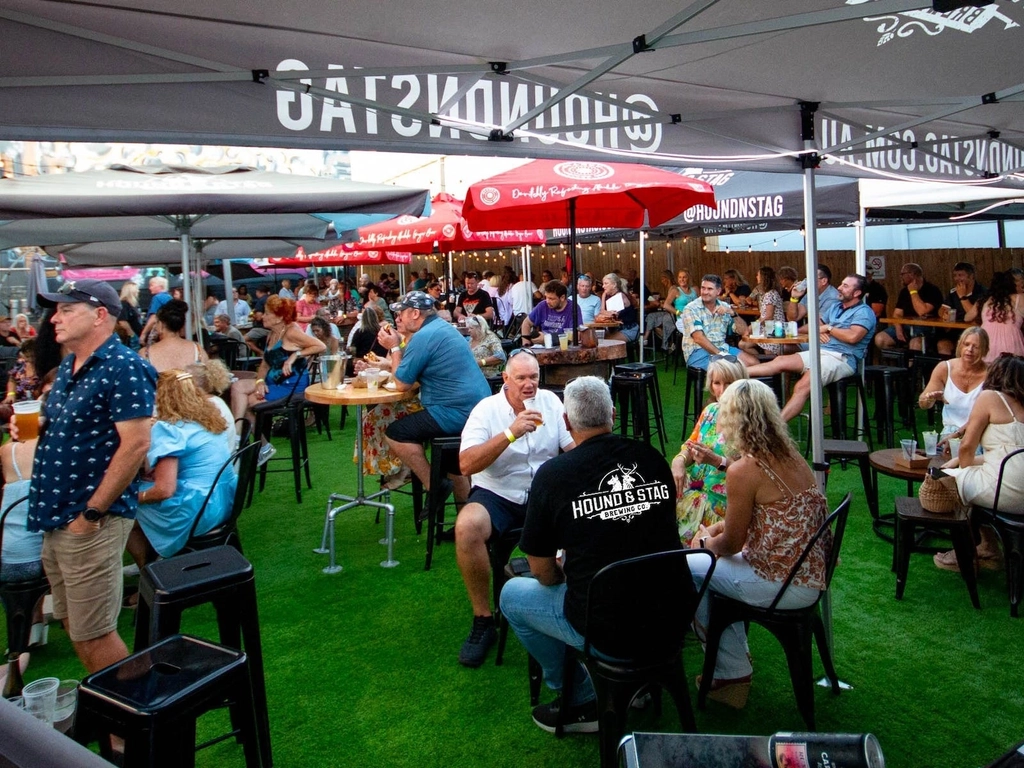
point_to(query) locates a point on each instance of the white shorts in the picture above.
(833, 366)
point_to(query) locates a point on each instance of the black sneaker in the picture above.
(480, 639)
(581, 718)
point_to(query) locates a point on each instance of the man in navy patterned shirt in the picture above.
(83, 490)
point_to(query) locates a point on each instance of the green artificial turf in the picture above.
(361, 666)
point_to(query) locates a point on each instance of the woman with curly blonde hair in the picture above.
(187, 450)
(773, 509)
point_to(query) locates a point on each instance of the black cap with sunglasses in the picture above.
(95, 293)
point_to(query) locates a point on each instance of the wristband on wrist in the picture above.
(793, 301)
(511, 437)
(913, 293)
(259, 381)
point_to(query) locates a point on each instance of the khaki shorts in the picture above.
(833, 366)
(85, 577)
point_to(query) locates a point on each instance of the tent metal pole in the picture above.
(643, 282)
(817, 427)
(861, 253)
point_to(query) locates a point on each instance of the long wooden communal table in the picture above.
(925, 323)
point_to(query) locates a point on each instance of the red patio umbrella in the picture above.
(554, 193)
(444, 228)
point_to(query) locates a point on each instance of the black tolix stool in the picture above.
(220, 576)
(153, 698)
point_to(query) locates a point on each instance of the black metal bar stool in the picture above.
(222, 577)
(630, 393)
(890, 382)
(153, 698)
(653, 391)
(837, 391)
(444, 460)
(293, 411)
(695, 379)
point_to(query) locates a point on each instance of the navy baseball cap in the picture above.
(414, 300)
(95, 293)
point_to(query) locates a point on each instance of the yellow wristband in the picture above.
(259, 381)
(794, 301)
(509, 435)
(913, 293)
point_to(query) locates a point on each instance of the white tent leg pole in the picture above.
(643, 282)
(186, 287)
(229, 290)
(861, 253)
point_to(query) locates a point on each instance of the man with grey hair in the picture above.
(586, 300)
(608, 499)
(437, 357)
(506, 440)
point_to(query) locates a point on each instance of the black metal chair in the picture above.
(292, 410)
(226, 533)
(1010, 527)
(793, 627)
(650, 653)
(19, 599)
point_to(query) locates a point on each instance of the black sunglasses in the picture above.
(523, 350)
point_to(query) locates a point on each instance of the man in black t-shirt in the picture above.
(963, 305)
(875, 295)
(608, 499)
(917, 298)
(474, 300)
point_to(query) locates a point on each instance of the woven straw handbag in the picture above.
(940, 496)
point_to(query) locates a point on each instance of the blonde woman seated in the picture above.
(486, 345)
(187, 449)
(213, 379)
(773, 511)
(957, 383)
(699, 467)
(996, 424)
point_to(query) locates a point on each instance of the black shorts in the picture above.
(417, 427)
(505, 515)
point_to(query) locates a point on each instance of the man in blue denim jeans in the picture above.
(608, 499)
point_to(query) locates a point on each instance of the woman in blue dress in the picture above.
(187, 449)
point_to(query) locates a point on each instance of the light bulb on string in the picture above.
(775, 242)
(623, 241)
(727, 249)
(750, 249)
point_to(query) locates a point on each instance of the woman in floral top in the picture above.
(769, 302)
(486, 346)
(700, 483)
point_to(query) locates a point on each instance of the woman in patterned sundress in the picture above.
(774, 509)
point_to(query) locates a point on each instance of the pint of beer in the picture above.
(26, 419)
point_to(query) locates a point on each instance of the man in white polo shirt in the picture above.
(505, 441)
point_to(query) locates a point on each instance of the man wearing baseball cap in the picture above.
(91, 446)
(436, 356)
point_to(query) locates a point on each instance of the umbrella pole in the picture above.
(229, 290)
(186, 289)
(643, 282)
(572, 270)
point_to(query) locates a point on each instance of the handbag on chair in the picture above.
(939, 494)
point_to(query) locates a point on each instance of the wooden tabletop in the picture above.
(926, 323)
(356, 395)
(606, 349)
(885, 462)
(747, 311)
(612, 324)
(777, 339)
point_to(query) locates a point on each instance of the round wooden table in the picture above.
(360, 398)
(884, 461)
(559, 366)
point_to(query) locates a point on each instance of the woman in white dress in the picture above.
(958, 382)
(996, 424)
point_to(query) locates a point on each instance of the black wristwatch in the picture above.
(93, 515)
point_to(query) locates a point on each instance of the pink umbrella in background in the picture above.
(342, 256)
(107, 274)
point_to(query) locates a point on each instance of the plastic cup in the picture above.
(909, 448)
(954, 447)
(41, 698)
(599, 334)
(530, 404)
(931, 443)
(563, 341)
(755, 329)
(26, 418)
(64, 707)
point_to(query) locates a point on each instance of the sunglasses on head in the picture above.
(724, 358)
(521, 350)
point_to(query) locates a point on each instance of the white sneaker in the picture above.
(266, 454)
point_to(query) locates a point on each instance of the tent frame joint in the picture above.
(989, 98)
(640, 44)
(497, 134)
(499, 67)
(260, 76)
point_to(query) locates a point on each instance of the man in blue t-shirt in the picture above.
(846, 329)
(553, 315)
(438, 358)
